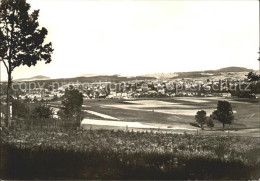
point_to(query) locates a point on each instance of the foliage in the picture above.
(27, 99)
(22, 39)
(210, 122)
(35, 99)
(104, 154)
(255, 89)
(71, 105)
(42, 111)
(224, 113)
(20, 109)
(55, 98)
(200, 117)
(253, 77)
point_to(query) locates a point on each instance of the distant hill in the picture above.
(203, 74)
(236, 72)
(227, 72)
(105, 78)
(162, 75)
(39, 77)
(235, 69)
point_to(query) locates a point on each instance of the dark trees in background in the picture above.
(42, 112)
(71, 106)
(253, 77)
(22, 40)
(255, 84)
(224, 113)
(20, 109)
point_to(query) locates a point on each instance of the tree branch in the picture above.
(6, 66)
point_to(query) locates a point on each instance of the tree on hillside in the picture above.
(253, 77)
(22, 40)
(200, 118)
(224, 113)
(255, 84)
(71, 106)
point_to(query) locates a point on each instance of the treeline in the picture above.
(223, 114)
(31, 115)
(69, 115)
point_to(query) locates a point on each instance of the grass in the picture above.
(104, 154)
(246, 116)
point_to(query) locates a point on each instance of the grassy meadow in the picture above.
(174, 112)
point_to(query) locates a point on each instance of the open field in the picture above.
(176, 112)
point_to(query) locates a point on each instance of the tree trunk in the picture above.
(8, 120)
(223, 126)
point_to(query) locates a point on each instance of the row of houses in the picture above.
(136, 88)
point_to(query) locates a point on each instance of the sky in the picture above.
(140, 37)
